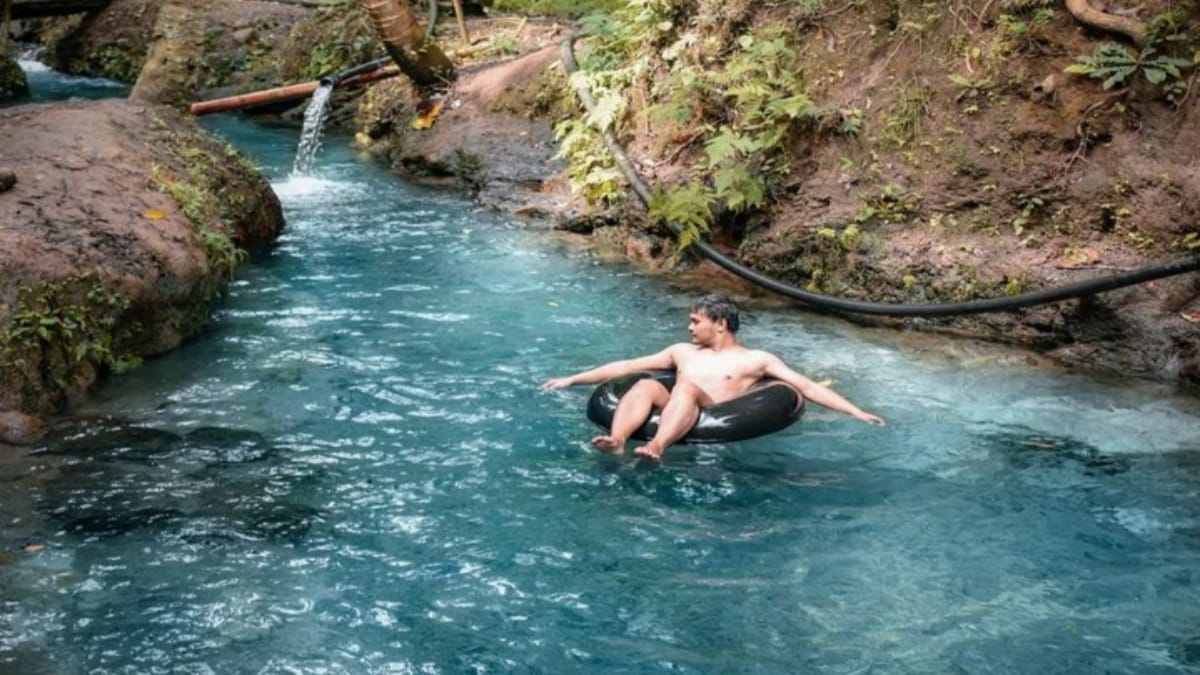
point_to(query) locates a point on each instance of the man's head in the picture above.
(720, 310)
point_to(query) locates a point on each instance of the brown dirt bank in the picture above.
(115, 240)
(986, 203)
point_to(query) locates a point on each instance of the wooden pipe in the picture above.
(290, 92)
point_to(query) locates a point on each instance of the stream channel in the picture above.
(355, 471)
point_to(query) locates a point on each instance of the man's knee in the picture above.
(650, 388)
(688, 392)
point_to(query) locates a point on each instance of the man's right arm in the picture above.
(664, 360)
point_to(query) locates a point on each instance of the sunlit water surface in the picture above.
(354, 471)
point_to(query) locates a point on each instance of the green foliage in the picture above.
(589, 165)
(850, 122)
(907, 114)
(1021, 34)
(764, 98)
(1117, 66)
(1020, 6)
(200, 206)
(58, 328)
(891, 205)
(1031, 207)
(329, 40)
(970, 89)
(744, 112)
(566, 8)
(118, 64)
(689, 207)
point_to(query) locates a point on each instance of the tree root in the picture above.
(1090, 16)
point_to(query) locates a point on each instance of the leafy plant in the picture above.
(57, 328)
(744, 112)
(970, 89)
(689, 207)
(199, 206)
(571, 8)
(907, 114)
(590, 167)
(1117, 66)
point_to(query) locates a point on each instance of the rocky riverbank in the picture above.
(945, 156)
(120, 228)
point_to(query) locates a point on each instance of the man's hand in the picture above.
(872, 419)
(556, 383)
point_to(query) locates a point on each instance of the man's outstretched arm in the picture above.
(817, 393)
(660, 361)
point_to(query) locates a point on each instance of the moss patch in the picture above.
(12, 79)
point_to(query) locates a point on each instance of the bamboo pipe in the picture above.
(462, 24)
(290, 92)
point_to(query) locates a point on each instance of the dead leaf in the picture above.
(1190, 315)
(1075, 258)
(426, 119)
(34, 548)
(154, 214)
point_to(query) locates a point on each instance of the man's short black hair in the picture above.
(716, 306)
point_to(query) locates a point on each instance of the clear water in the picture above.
(354, 471)
(48, 85)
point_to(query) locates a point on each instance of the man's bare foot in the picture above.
(609, 444)
(649, 451)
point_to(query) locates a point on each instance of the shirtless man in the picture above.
(712, 369)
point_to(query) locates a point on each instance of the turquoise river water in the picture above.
(355, 471)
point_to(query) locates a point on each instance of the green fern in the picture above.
(688, 207)
(589, 166)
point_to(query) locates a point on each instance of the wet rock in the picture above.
(111, 439)
(12, 79)
(8, 178)
(482, 142)
(20, 429)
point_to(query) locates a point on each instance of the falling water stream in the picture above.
(355, 471)
(314, 127)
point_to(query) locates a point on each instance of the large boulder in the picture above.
(121, 227)
(12, 78)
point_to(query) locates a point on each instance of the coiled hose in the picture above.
(1041, 297)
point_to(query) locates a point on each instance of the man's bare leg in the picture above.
(679, 415)
(632, 411)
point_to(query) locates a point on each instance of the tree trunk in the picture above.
(1083, 12)
(417, 56)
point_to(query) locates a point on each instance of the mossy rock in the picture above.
(12, 79)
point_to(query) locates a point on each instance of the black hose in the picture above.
(337, 78)
(1045, 296)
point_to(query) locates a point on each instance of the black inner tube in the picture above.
(1040, 297)
(769, 406)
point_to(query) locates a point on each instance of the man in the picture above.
(712, 369)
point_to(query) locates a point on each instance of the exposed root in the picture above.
(1083, 12)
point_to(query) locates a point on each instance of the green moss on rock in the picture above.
(12, 79)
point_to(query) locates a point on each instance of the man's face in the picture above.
(703, 329)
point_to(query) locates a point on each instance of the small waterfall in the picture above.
(29, 58)
(310, 136)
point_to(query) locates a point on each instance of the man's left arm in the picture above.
(817, 393)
